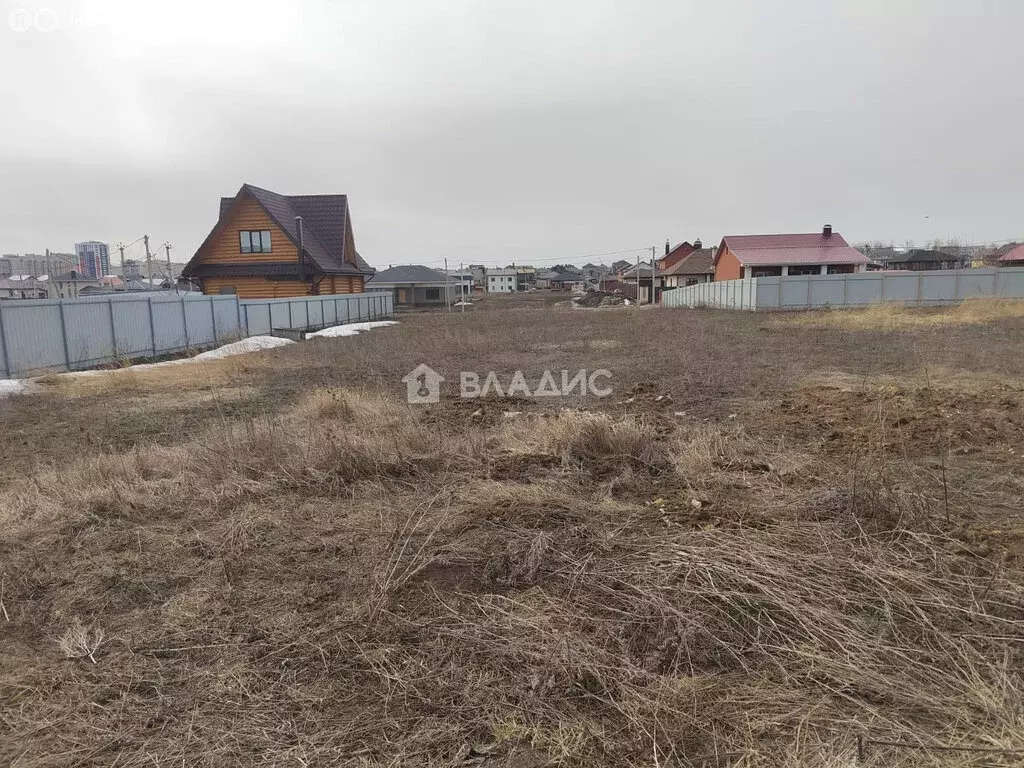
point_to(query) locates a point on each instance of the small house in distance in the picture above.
(69, 285)
(696, 267)
(502, 280)
(254, 248)
(1009, 255)
(415, 286)
(824, 253)
(922, 259)
(674, 255)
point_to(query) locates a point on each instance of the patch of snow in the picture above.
(251, 344)
(349, 330)
(12, 386)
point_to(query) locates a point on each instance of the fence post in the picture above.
(213, 319)
(152, 327)
(184, 323)
(920, 279)
(64, 335)
(290, 321)
(995, 281)
(846, 288)
(245, 308)
(113, 326)
(8, 365)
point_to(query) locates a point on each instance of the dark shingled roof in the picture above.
(699, 262)
(413, 273)
(324, 223)
(922, 255)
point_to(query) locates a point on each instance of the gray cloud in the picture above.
(511, 131)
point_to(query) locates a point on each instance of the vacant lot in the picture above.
(781, 540)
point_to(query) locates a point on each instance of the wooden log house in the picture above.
(253, 250)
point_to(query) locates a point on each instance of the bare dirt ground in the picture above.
(783, 540)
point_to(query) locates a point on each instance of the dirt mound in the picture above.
(594, 299)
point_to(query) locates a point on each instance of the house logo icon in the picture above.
(423, 384)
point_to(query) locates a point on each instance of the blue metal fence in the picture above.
(41, 335)
(263, 316)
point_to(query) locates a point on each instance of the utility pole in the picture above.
(120, 247)
(173, 281)
(638, 278)
(462, 288)
(49, 276)
(149, 261)
(654, 270)
(447, 296)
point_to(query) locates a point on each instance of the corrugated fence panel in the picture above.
(131, 328)
(89, 329)
(199, 323)
(31, 341)
(933, 287)
(40, 335)
(169, 326)
(263, 316)
(224, 312)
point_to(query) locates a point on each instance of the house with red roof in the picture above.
(674, 255)
(819, 253)
(1012, 256)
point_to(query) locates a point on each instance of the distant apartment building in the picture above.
(35, 264)
(501, 280)
(93, 258)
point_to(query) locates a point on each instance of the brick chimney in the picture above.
(826, 231)
(697, 244)
(667, 248)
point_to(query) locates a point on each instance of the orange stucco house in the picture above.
(824, 253)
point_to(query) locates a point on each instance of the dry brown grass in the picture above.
(895, 315)
(341, 579)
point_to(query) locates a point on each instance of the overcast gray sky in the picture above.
(490, 131)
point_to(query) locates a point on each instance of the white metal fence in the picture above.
(41, 335)
(815, 291)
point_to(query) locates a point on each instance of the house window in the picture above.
(691, 281)
(254, 241)
(227, 290)
(805, 269)
(433, 294)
